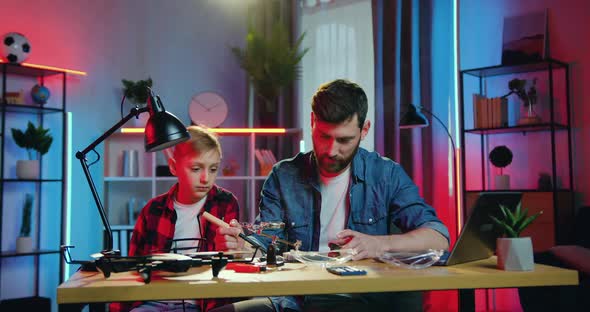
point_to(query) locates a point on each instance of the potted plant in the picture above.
(137, 93)
(24, 243)
(514, 253)
(272, 63)
(527, 97)
(501, 157)
(32, 139)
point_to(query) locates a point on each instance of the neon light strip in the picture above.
(248, 130)
(459, 193)
(222, 130)
(68, 216)
(69, 71)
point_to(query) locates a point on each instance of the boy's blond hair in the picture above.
(202, 140)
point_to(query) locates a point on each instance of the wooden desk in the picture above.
(297, 279)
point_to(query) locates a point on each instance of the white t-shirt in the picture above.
(335, 207)
(187, 224)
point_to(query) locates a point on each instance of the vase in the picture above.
(27, 169)
(24, 244)
(502, 182)
(515, 254)
(528, 116)
(130, 163)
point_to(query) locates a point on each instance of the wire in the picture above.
(443, 125)
(122, 101)
(455, 175)
(96, 160)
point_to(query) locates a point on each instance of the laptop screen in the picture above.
(478, 237)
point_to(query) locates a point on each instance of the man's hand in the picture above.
(227, 237)
(366, 246)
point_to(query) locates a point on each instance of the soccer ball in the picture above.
(15, 47)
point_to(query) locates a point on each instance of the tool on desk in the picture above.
(215, 220)
(334, 246)
(346, 270)
(245, 267)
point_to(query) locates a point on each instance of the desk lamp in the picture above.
(162, 130)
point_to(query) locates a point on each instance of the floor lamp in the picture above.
(414, 118)
(162, 130)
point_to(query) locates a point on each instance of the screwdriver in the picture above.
(215, 220)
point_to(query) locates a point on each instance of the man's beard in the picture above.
(336, 164)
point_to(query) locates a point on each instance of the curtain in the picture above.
(402, 78)
(405, 74)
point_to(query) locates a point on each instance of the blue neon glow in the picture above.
(68, 212)
(456, 70)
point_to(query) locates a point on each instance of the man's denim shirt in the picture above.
(383, 200)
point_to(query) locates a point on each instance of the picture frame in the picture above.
(525, 38)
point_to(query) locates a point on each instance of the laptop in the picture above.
(478, 238)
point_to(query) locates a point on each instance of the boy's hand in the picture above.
(227, 237)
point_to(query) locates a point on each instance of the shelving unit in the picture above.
(38, 272)
(540, 148)
(238, 145)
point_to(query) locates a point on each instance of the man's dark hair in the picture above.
(337, 101)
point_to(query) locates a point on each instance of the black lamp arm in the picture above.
(443, 125)
(455, 190)
(81, 155)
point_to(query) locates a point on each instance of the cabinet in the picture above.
(541, 167)
(124, 196)
(38, 272)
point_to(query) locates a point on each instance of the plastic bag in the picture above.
(412, 259)
(324, 259)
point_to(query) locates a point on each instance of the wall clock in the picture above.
(208, 109)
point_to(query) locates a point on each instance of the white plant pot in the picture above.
(24, 244)
(502, 182)
(27, 169)
(515, 254)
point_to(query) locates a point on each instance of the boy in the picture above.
(177, 214)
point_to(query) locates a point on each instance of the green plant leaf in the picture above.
(511, 218)
(136, 91)
(513, 223)
(527, 221)
(25, 227)
(271, 62)
(33, 139)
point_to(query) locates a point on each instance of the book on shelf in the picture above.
(489, 112)
(266, 159)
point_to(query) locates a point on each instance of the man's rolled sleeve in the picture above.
(439, 227)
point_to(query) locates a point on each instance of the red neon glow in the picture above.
(222, 130)
(69, 71)
(459, 211)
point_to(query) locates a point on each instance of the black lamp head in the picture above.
(163, 129)
(413, 118)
